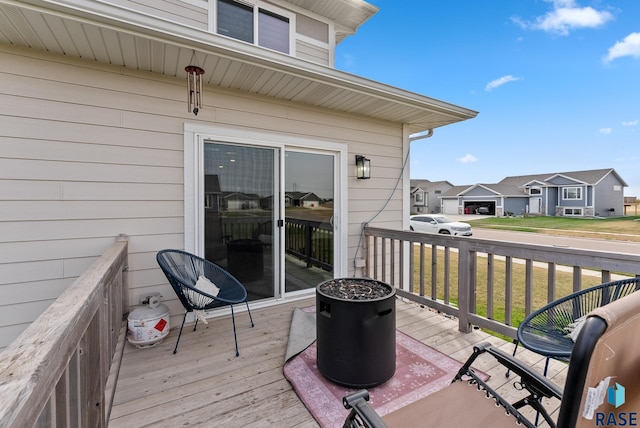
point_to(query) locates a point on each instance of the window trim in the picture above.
(567, 188)
(537, 189)
(256, 5)
(196, 134)
(573, 213)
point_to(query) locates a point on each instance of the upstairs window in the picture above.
(572, 193)
(535, 191)
(253, 24)
(419, 197)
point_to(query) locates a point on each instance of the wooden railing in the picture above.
(308, 240)
(61, 371)
(448, 274)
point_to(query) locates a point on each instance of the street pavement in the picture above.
(553, 240)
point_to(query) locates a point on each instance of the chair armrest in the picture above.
(533, 381)
(362, 414)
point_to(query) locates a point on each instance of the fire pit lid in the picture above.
(355, 289)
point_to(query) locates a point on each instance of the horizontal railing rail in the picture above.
(61, 370)
(448, 273)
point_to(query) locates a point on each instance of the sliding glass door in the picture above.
(269, 216)
(240, 193)
(309, 214)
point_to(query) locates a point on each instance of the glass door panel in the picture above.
(309, 211)
(239, 214)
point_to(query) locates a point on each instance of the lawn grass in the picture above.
(617, 228)
(564, 284)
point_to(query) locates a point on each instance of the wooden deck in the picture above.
(205, 385)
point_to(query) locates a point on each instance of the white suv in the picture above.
(438, 223)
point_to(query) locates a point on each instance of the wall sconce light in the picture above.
(194, 87)
(363, 167)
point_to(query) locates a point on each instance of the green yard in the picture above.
(618, 228)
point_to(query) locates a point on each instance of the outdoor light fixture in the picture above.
(363, 167)
(194, 86)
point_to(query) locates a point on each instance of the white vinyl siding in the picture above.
(193, 13)
(89, 151)
(313, 52)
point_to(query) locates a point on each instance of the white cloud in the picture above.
(501, 81)
(566, 16)
(630, 122)
(468, 158)
(629, 46)
(605, 131)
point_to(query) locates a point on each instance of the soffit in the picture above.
(110, 34)
(347, 14)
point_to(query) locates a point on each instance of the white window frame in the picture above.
(572, 212)
(256, 5)
(566, 189)
(535, 191)
(194, 138)
(419, 198)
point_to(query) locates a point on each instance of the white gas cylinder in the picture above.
(147, 325)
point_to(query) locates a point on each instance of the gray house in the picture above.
(588, 193)
(425, 195)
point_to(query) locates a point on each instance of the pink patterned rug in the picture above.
(420, 371)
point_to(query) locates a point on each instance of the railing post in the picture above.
(464, 287)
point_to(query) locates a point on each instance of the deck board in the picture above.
(205, 384)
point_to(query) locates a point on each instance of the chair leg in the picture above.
(508, 373)
(180, 334)
(235, 338)
(249, 310)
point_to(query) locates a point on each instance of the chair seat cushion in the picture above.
(458, 405)
(205, 285)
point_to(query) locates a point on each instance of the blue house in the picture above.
(590, 193)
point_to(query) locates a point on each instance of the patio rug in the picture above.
(420, 371)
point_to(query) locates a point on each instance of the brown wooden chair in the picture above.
(604, 363)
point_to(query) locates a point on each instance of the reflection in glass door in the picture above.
(309, 213)
(239, 189)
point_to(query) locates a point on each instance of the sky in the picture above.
(556, 83)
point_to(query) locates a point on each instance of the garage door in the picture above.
(450, 206)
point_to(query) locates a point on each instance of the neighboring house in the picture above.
(96, 138)
(598, 193)
(425, 195)
(301, 199)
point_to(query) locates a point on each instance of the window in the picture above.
(573, 211)
(535, 191)
(419, 197)
(252, 24)
(572, 193)
(438, 192)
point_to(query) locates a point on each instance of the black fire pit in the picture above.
(356, 331)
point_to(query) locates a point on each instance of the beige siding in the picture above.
(89, 151)
(312, 52)
(171, 10)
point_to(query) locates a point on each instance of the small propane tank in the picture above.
(148, 325)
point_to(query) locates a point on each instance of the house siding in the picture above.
(89, 151)
(516, 206)
(315, 48)
(312, 52)
(193, 14)
(609, 194)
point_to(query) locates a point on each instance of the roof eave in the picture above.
(370, 98)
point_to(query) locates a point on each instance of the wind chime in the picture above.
(194, 86)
